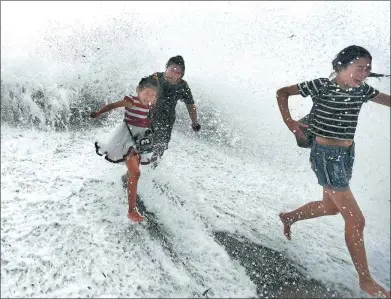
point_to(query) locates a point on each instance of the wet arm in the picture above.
(382, 99)
(282, 100)
(111, 106)
(191, 108)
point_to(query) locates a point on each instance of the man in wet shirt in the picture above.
(172, 88)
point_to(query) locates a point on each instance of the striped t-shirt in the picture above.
(138, 114)
(335, 110)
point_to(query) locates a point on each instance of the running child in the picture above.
(337, 103)
(131, 141)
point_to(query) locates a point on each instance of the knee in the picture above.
(360, 223)
(333, 211)
(329, 207)
(355, 223)
(134, 173)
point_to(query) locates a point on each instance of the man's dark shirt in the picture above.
(163, 114)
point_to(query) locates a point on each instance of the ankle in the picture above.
(365, 279)
(286, 219)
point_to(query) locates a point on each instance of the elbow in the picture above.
(281, 94)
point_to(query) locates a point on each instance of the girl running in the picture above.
(131, 141)
(337, 103)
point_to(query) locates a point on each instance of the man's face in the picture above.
(173, 74)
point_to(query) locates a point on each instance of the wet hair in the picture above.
(376, 75)
(346, 57)
(178, 60)
(149, 82)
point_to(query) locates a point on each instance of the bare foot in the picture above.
(135, 216)
(287, 226)
(372, 288)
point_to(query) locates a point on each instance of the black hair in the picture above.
(178, 60)
(346, 56)
(149, 82)
(376, 75)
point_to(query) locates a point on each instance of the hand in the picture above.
(94, 114)
(295, 128)
(196, 127)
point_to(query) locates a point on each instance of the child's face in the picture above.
(147, 96)
(355, 74)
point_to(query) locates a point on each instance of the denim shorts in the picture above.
(333, 165)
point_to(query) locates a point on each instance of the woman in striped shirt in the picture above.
(333, 121)
(131, 141)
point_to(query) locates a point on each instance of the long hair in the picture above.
(346, 57)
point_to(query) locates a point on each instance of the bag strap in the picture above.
(130, 132)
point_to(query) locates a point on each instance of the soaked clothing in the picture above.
(131, 137)
(332, 165)
(123, 141)
(334, 115)
(138, 114)
(163, 113)
(335, 111)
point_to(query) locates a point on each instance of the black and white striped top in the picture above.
(335, 111)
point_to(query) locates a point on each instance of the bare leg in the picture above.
(310, 210)
(134, 174)
(354, 237)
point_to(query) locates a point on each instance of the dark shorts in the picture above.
(333, 165)
(161, 139)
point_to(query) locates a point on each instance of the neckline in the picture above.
(345, 89)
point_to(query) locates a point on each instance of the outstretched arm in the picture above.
(382, 99)
(111, 106)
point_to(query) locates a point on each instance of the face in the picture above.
(147, 95)
(173, 74)
(355, 74)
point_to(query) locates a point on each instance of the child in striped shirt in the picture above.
(333, 121)
(131, 141)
